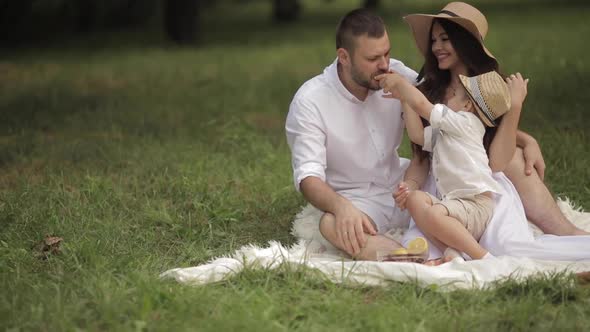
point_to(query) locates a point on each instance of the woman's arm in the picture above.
(413, 179)
(417, 172)
(503, 145)
(414, 125)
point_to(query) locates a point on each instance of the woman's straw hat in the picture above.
(461, 13)
(490, 95)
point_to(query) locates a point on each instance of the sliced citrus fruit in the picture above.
(399, 251)
(417, 246)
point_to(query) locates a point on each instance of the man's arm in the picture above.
(321, 195)
(307, 140)
(350, 231)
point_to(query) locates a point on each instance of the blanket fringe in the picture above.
(312, 251)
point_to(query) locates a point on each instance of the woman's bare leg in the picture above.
(539, 205)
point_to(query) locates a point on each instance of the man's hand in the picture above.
(351, 225)
(533, 159)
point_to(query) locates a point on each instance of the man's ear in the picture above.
(343, 56)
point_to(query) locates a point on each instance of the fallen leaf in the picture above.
(48, 246)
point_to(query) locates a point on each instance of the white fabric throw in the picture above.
(313, 252)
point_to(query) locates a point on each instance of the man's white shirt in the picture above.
(350, 144)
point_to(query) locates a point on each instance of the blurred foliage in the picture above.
(23, 21)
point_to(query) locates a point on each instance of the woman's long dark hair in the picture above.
(434, 81)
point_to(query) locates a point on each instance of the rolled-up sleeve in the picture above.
(307, 139)
(450, 122)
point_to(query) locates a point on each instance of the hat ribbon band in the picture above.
(479, 99)
(450, 13)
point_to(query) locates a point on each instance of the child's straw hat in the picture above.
(490, 95)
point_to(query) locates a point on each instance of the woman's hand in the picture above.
(533, 158)
(518, 90)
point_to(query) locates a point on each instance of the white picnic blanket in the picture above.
(310, 251)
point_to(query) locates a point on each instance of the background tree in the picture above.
(180, 20)
(286, 10)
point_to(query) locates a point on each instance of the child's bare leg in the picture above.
(369, 252)
(450, 231)
(418, 202)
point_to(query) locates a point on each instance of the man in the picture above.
(344, 137)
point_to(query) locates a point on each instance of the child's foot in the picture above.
(450, 254)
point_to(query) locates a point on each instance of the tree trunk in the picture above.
(86, 15)
(13, 21)
(180, 20)
(286, 10)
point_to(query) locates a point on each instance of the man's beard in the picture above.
(369, 82)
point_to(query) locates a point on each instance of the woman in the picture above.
(452, 44)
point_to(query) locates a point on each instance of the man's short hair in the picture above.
(357, 23)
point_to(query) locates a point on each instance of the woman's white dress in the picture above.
(508, 232)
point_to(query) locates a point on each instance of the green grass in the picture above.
(143, 156)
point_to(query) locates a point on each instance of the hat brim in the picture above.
(421, 24)
(480, 113)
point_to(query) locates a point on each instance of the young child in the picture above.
(458, 218)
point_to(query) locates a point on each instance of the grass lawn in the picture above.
(143, 156)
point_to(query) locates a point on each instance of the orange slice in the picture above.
(417, 246)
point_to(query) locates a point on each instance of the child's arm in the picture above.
(503, 145)
(413, 125)
(401, 89)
